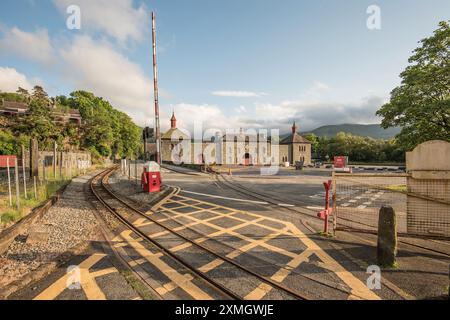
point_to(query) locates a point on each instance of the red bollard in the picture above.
(324, 214)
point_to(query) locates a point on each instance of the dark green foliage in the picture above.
(358, 149)
(109, 132)
(421, 104)
(105, 131)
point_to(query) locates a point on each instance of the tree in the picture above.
(23, 92)
(39, 123)
(39, 94)
(421, 104)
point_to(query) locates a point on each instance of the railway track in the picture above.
(105, 195)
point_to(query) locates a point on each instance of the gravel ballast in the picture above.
(70, 222)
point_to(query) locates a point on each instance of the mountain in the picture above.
(363, 130)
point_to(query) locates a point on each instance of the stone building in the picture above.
(20, 109)
(239, 148)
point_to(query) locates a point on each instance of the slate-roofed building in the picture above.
(234, 149)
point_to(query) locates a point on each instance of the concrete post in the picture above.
(387, 237)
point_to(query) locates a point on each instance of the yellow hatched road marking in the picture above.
(359, 289)
(87, 281)
(177, 278)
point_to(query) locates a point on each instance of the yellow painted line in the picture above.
(135, 263)
(234, 211)
(259, 293)
(294, 263)
(172, 286)
(181, 247)
(232, 232)
(212, 265)
(358, 288)
(171, 273)
(161, 291)
(87, 282)
(180, 215)
(142, 222)
(103, 272)
(166, 200)
(158, 234)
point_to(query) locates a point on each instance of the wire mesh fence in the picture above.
(20, 191)
(421, 206)
(360, 197)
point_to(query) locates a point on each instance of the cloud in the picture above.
(35, 46)
(116, 18)
(98, 67)
(209, 115)
(310, 115)
(238, 94)
(11, 80)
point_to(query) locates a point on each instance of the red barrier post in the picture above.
(324, 214)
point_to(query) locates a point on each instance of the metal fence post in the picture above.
(129, 170)
(335, 217)
(136, 170)
(17, 185)
(9, 181)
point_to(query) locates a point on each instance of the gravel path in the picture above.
(128, 188)
(70, 222)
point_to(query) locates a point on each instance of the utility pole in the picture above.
(155, 86)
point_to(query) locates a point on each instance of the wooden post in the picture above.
(24, 173)
(55, 146)
(16, 165)
(9, 181)
(60, 165)
(35, 188)
(34, 158)
(43, 170)
(70, 166)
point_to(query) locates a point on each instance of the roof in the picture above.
(175, 134)
(12, 105)
(294, 138)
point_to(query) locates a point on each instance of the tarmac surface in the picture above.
(283, 245)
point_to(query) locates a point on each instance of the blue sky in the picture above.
(233, 63)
